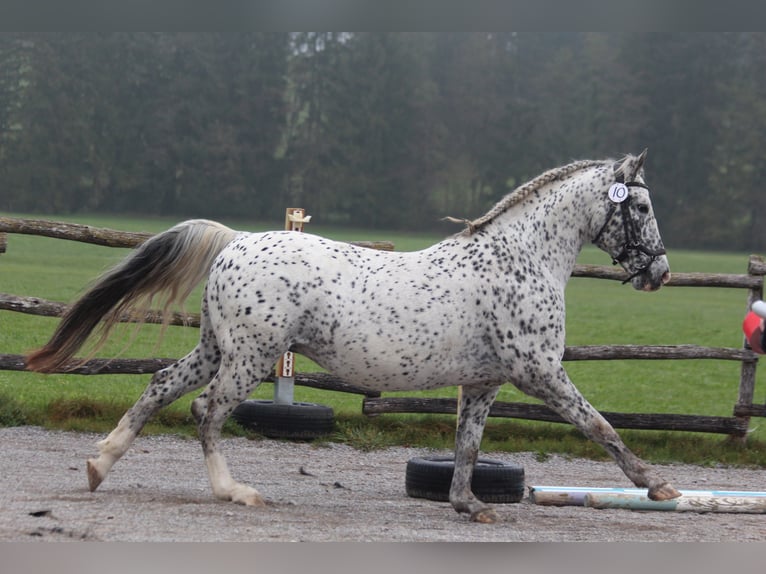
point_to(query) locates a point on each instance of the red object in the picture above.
(752, 328)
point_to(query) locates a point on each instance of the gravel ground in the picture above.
(159, 492)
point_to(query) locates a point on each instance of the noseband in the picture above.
(632, 241)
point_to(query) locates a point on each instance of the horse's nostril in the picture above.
(665, 277)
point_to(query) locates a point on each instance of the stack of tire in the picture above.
(299, 421)
(494, 481)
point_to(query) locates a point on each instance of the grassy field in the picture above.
(598, 312)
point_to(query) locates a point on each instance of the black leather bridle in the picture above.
(632, 241)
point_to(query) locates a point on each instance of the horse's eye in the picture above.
(643, 209)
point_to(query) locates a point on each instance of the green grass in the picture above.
(598, 312)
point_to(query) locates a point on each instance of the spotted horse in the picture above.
(479, 309)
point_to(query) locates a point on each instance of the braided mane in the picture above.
(523, 191)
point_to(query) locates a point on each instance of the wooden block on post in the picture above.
(295, 217)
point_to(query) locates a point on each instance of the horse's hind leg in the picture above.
(167, 385)
(229, 388)
(474, 409)
(560, 394)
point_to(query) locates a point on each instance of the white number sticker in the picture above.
(618, 192)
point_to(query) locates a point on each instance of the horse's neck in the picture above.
(551, 226)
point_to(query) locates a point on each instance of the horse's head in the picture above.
(628, 231)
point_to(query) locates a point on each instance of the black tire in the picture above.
(295, 421)
(493, 481)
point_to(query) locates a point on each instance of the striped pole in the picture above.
(689, 502)
(284, 386)
(732, 501)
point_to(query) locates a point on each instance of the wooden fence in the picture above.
(373, 404)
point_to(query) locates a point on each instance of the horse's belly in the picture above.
(393, 369)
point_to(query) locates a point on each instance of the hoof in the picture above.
(246, 495)
(94, 476)
(485, 516)
(254, 501)
(663, 492)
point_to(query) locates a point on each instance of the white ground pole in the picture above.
(284, 386)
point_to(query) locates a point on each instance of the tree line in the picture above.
(381, 130)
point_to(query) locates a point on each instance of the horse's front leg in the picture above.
(474, 408)
(560, 394)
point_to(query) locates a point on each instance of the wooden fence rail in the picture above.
(322, 381)
(107, 237)
(698, 423)
(374, 404)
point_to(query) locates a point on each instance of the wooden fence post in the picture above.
(744, 408)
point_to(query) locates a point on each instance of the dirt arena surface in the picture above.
(159, 492)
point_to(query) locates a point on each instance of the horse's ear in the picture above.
(640, 160)
(622, 169)
(630, 166)
(638, 165)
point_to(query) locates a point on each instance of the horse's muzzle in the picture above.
(657, 275)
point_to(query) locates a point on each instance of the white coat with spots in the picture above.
(479, 309)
